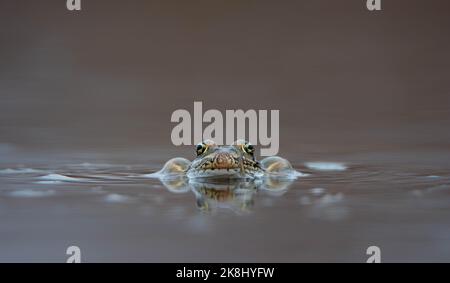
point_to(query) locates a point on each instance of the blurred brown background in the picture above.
(109, 77)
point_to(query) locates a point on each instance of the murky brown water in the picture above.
(85, 107)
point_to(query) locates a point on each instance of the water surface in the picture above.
(333, 213)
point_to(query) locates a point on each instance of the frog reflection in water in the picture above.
(226, 175)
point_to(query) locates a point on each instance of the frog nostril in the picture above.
(223, 160)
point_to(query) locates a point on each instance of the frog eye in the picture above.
(200, 148)
(248, 148)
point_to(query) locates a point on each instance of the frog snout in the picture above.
(224, 160)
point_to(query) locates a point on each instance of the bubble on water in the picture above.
(326, 166)
(174, 167)
(433, 177)
(331, 199)
(58, 177)
(317, 191)
(116, 198)
(31, 193)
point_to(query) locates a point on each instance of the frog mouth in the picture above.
(216, 173)
(224, 165)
